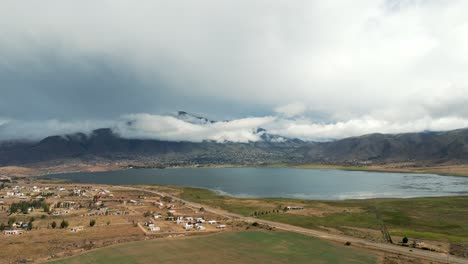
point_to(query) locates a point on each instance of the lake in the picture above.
(285, 182)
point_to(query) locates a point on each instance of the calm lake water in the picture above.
(285, 182)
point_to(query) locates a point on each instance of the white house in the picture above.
(77, 229)
(294, 207)
(212, 222)
(13, 232)
(200, 220)
(157, 216)
(154, 228)
(221, 226)
(200, 228)
(188, 226)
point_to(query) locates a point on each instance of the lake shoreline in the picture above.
(318, 184)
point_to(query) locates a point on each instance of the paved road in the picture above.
(319, 234)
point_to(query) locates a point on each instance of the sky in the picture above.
(315, 70)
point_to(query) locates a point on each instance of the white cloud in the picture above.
(170, 128)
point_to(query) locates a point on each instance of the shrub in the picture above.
(347, 243)
(53, 224)
(64, 224)
(404, 240)
(92, 223)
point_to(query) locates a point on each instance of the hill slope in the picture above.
(419, 148)
(428, 147)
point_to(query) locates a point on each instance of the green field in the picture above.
(229, 247)
(436, 218)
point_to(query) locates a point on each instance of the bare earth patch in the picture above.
(321, 209)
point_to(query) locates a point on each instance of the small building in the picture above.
(295, 207)
(212, 222)
(221, 226)
(188, 226)
(13, 232)
(76, 229)
(154, 228)
(200, 228)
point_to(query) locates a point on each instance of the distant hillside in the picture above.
(425, 147)
(104, 144)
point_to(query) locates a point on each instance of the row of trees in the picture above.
(265, 212)
(63, 224)
(23, 206)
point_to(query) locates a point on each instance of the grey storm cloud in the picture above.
(308, 69)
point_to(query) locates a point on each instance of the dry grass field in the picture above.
(229, 247)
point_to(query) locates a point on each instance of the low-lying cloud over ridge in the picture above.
(171, 128)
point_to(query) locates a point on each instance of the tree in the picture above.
(92, 223)
(53, 224)
(2, 226)
(30, 225)
(46, 208)
(108, 223)
(11, 221)
(64, 224)
(147, 214)
(404, 240)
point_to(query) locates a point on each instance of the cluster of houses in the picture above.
(16, 229)
(5, 179)
(25, 192)
(194, 223)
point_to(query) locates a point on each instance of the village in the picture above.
(64, 219)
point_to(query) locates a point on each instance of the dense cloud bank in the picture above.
(315, 70)
(171, 128)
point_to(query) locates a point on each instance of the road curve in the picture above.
(319, 234)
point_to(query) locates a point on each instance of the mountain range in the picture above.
(105, 144)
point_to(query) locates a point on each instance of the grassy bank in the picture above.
(446, 170)
(230, 247)
(436, 218)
